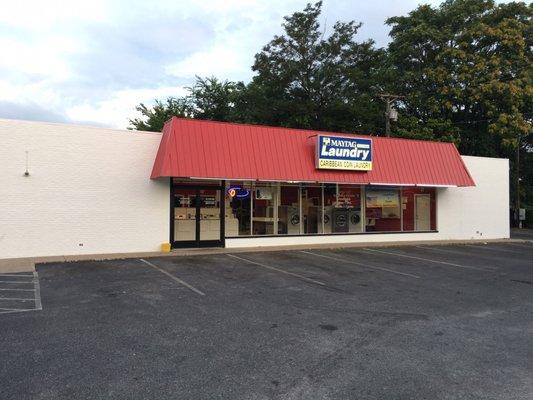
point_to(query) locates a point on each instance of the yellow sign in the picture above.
(345, 164)
(382, 198)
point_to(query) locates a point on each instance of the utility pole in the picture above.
(390, 112)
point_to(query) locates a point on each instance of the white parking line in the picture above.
(441, 250)
(426, 259)
(16, 298)
(463, 253)
(14, 310)
(37, 288)
(278, 270)
(36, 293)
(521, 245)
(360, 264)
(173, 277)
(480, 246)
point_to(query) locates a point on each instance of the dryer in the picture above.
(354, 220)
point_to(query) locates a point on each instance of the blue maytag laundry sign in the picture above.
(334, 152)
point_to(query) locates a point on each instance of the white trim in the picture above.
(433, 185)
(203, 179)
(389, 184)
(318, 182)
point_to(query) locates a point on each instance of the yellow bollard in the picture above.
(165, 247)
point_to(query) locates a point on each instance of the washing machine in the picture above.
(340, 220)
(293, 220)
(354, 220)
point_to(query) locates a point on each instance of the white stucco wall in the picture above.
(89, 191)
(480, 212)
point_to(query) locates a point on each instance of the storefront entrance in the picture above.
(197, 215)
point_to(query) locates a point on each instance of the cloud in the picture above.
(29, 111)
(93, 61)
(120, 106)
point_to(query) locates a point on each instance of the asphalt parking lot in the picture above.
(414, 322)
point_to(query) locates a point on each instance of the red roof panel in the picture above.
(210, 149)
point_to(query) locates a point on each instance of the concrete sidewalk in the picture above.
(28, 264)
(16, 265)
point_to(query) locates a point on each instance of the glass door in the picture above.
(197, 218)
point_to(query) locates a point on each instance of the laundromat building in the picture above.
(73, 190)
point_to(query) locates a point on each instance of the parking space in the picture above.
(409, 322)
(19, 292)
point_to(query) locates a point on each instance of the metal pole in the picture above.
(518, 222)
(388, 99)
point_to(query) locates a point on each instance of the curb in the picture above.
(28, 264)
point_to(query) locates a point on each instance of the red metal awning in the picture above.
(219, 150)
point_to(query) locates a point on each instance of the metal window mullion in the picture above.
(276, 198)
(252, 187)
(323, 210)
(401, 208)
(301, 220)
(363, 208)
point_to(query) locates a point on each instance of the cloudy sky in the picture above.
(92, 61)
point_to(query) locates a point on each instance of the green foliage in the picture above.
(154, 118)
(468, 65)
(214, 99)
(208, 98)
(465, 69)
(308, 79)
(467, 62)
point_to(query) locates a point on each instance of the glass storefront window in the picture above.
(289, 210)
(271, 208)
(209, 214)
(196, 213)
(238, 209)
(348, 217)
(330, 201)
(382, 209)
(264, 197)
(311, 209)
(184, 214)
(418, 207)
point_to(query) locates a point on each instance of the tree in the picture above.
(307, 80)
(466, 64)
(215, 99)
(208, 98)
(466, 70)
(154, 118)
